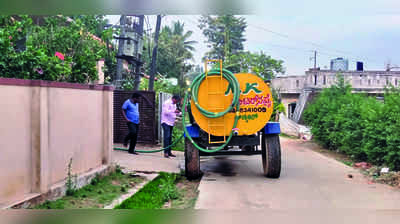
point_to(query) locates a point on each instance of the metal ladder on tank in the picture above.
(211, 122)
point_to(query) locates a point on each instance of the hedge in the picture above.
(356, 124)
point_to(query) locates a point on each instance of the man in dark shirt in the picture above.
(130, 110)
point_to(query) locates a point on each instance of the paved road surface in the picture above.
(148, 162)
(308, 180)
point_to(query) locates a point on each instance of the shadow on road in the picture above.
(221, 165)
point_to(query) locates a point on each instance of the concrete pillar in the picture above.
(45, 168)
(107, 125)
(40, 140)
(35, 139)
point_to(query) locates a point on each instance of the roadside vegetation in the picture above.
(177, 133)
(357, 125)
(99, 193)
(54, 48)
(168, 190)
(188, 194)
(288, 136)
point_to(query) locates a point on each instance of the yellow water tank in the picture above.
(215, 94)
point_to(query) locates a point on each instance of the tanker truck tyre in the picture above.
(271, 155)
(192, 161)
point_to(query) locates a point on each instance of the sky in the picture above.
(359, 30)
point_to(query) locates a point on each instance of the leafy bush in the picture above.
(278, 105)
(357, 125)
(169, 190)
(177, 134)
(57, 50)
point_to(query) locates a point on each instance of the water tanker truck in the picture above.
(229, 115)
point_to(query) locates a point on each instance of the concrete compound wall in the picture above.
(15, 142)
(368, 80)
(288, 84)
(44, 125)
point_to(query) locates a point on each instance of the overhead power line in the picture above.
(346, 53)
(324, 50)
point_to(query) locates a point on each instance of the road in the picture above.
(308, 180)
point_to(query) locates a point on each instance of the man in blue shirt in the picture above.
(130, 110)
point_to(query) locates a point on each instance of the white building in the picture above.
(339, 64)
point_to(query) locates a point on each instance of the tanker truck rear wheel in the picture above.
(192, 161)
(271, 155)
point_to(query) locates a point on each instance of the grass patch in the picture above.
(154, 194)
(100, 192)
(287, 136)
(188, 193)
(346, 162)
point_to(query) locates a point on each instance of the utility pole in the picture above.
(118, 80)
(139, 63)
(315, 67)
(154, 56)
(315, 59)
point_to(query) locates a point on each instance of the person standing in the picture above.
(130, 110)
(168, 116)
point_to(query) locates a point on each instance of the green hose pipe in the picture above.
(232, 81)
(152, 151)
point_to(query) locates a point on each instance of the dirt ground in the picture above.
(188, 191)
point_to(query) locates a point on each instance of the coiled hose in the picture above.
(193, 92)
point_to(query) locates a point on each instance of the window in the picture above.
(395, 82)
(315, 80)
(324, 80)
(297, 83)
(377, 81)
(387, 81)
(369, 82)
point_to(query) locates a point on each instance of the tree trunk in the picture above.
(181, 82)
(154, 56)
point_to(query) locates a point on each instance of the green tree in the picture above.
(264, 66)
(225, 35)
(258, 63)
(93, 23)
(175, 51)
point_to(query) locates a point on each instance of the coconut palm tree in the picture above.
(176, 51)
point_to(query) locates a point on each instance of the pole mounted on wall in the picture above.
(139, 62)
(118, 78)
(130, 48)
